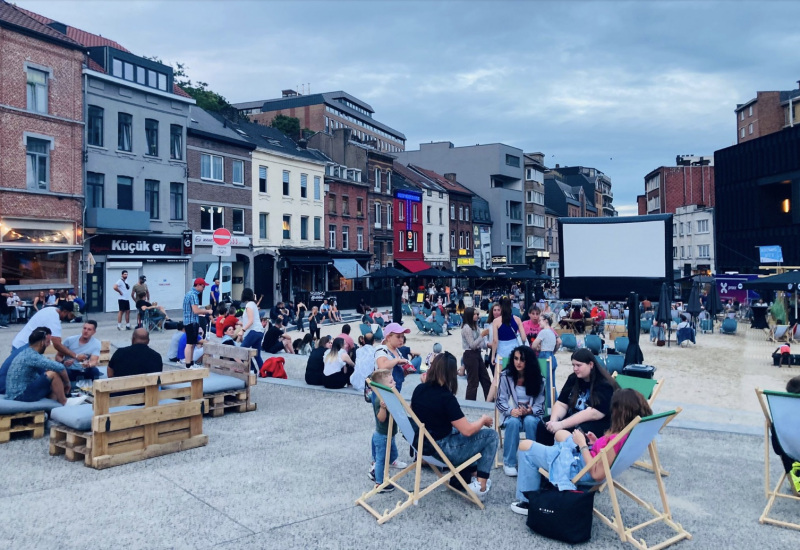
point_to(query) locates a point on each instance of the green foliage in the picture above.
(288, 125)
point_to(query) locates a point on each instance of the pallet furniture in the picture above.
(228, 386)
(132, 418)
(20, 418)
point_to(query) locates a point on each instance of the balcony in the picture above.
(111, 218)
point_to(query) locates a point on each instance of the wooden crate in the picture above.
(237, 401)
(153, 429)
(229, 361)
(27, 423)
(105, 353)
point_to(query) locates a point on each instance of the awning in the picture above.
(308, 260)
(414, 265)
(349, 268)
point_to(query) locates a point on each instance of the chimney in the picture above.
(451, 177)
(60, 27)
(302, 143)
(558, 165)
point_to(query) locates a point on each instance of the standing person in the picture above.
(388, 356)
(531, 326)
(191, 319)
(122, 288)
(300, 312)
(547, 343)
(138, 288)
(252, 328)
(214, 293)
(404, 290)
(314, 319)
(472, 342)
(5, 311)
(507, 331)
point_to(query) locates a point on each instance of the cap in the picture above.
(394, 328)
(199, 281)
(143, 277)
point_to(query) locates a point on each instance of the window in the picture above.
(460, 239)
(428, 212)
(331, 203)
(401, 214)
(303, 186)
(211, 167)
(689, 252)
(702, 226)
(703, 251)
(388, 216)
(262, 179)
(414, 212)
(430, 193)
(238, 221)
(461, 213)
(388, 181)
(38, 164)
(303, 228)
(378, 215)
(415, 241)
(151, 136)
(378, 180)
(512, 160)
(741, 131)
(441, 214)
(262, 225)
(94, 126)
(176, 142)
(124, 132)
(345, 238)
(741, 115)
(345, 206)
(674, 251)
(688, 228)
(750, 111)
(331, 236)
(681, 252)
(452, 211)
(466, 214)
(452, 240)
(680, 229)
(211, 218)
(285, 183)
(176, 201)
(287, 227)
(360, 238)
(535, 197)
(94, 190)
(37, 90)
(238, 172)
(441, 243)
(317, 188)
(428, 239)
(151, 198)
(360, 207)
(674, 229)
(400, 241)
(124, 193)
(317, 229)
(750, 128)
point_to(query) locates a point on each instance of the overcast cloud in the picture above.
(620, 86)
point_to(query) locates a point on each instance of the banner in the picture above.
(770, 254)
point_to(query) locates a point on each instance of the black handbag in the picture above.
(561, 515)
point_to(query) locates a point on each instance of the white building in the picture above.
(693, 241)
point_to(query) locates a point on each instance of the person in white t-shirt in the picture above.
(123, 288)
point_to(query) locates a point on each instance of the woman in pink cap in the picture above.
(387, 356)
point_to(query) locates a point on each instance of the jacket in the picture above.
(507, 397)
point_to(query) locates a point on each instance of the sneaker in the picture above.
(371, 473)
(76, 400)
(510, 471)
(399, 464)
(196, 367)
(794, 478)
(388, 489)
(475, 486)
(520, 508)
(119, 327)
(127, 327)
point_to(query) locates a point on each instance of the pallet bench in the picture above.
(147, 420)
(19, 418)
(228, 386)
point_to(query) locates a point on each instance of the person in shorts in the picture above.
(123, 288)
(191, 318)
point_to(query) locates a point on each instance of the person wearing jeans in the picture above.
(472, 342)
(380, 436)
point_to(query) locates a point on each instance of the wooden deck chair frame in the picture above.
(773, 404)
(640, 384)
(401, 413)
(786, 333)
(545, 365)
(641, 434)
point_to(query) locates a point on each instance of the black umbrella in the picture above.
(714, 304)
(433, 273)
(693, 306)
(785, 281)
(530, 275)
(634, 354)
(474, 272)
(663, 312)
(388, 273)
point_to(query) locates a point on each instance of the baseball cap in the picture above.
(394, 328)
(199, 281)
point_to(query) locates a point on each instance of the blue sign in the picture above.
(409, 197)
(770, 254)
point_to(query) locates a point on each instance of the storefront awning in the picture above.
(349, 268)
(308, 260)
(414, 265)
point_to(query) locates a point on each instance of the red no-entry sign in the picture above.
(222, 236)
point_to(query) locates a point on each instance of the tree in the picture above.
(288, 125)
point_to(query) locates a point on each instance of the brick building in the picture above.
(767, 113)
(670, 187)
(379, 192)
(41, 141)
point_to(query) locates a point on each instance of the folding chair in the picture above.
(649, 388)
(569, 342)
(781, 411)
(594, 343)
(403, 416)
(621, 344)
(781, 333)
(151, 320)
(641, 434)
(407, 310)
(707, 325)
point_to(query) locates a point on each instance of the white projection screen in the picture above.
(607, 258)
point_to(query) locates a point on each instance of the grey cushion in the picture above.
(9, 406)
(215, 383)
(79, 417)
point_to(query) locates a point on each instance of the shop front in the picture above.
(159, 258)
(236, 268)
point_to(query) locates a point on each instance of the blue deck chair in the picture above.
(645, 325)
(569, 342)
(364, 328)
(728, 326)
(594, 343)
(621, 344)
(407, 310)
(615, 362)
(649, 388)
(444, 469)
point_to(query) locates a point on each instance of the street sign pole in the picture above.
(221, 247)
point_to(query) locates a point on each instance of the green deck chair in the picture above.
(649, 388)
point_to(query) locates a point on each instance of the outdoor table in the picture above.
(759, 316)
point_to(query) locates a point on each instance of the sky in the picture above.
(623, 87)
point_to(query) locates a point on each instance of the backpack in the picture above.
(273, 368)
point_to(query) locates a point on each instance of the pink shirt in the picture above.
(602, 443)
(348, 342)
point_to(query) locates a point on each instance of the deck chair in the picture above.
(781, 333)
(569, 342)
(152, 320)
(641, 433)
(707, 325)
(365, 329)
(645, 325)
(621, 344)
(407, 310)
(594, 343)
(781, 411)
(728, 326)
(649, 388)
(615, 362)
(403, 416)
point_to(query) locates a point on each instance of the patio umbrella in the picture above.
(714, 304)
(474, 272)
(634, 354)
(433, 273)
(788, 281)
(663, 313)
(530, 275)
(388, 273)
(693, 306)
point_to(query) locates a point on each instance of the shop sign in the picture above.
(188, 248)
(552, 265)
(499, 260)
(145, 245)
(466, 261)
(207, 239)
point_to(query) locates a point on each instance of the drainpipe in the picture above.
(84, 147)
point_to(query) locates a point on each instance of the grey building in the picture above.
(135, 176)
(481, 232)
(494, 170)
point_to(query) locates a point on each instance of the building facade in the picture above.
(380, 195)
(433, 212)
(535, 245)
(767, 113)
(693, 247)
(595, 184)
(482, 233)
(407, 223)
(566, 201)
(669, 187)
(41, 145)
(492, 170)
(551, 240)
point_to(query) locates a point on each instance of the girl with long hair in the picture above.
(338, 366)
(507, 331)
(472, 342)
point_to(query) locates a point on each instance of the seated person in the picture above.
(39, 301)
(325, 310)
(276, 310)
(32, 376)
(79, 306)
(362, 307)
(197, 354)
(435, 404)
(365, 362)
(286, 311)
(413, 357)
(584, 401)
(87, 349)
(334, 313)
(791, 465)
(337, 366)
(686, 332)
(157, 313)
(578, 325)
(172, 350)
(138, 358)
(275, 341)
(626, 405)
(316, 362)
(349, 345)
(228, 338)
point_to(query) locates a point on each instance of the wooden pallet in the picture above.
(22, 423)
(73, 444)
(229, 361)
(105, 353)
(217, 404)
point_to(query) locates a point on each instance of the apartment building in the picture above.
(667, 188)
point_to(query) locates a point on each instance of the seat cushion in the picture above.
(79, 417)
(215, 383)
(9, 406)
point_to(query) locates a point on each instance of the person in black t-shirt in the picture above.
(275, 341)
(316, 362)
(137, 358)
(435, 404)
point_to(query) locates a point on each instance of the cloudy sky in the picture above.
(620, 86)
